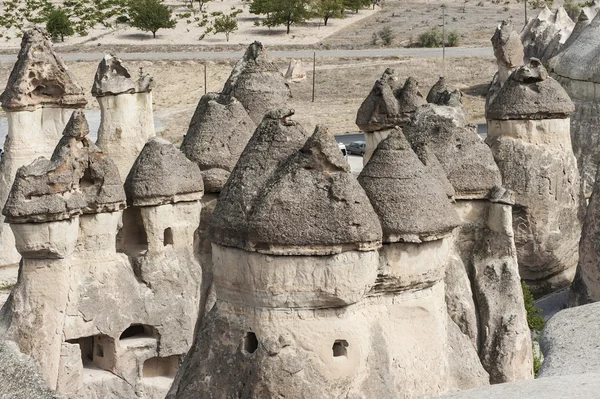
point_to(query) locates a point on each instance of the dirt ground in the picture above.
(340, 86)
(474, 20)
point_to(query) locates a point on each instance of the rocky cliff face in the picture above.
(39, 98)
(529, 136)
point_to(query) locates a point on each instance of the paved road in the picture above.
(205, 55)
(349, 138)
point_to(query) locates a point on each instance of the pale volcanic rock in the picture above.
(295, 72)
(216, 137)
(113, 78)
(257, 83)
(276, 138)
(40, 78)
(586, 284)
(569, 342)
(508, 50)
(313, 203)
(576, 69)
(126, 116)
(395, 175)
(77, 179)
(38, 99)
(529, 135)
(505, 341)
(544, 35)
(161, 175)
(20, 376)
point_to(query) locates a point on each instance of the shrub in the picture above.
(453, 39)
(386, 34)
(374, 38)
(431, 38)
(122, 19)
(535, 322)
(59, 25)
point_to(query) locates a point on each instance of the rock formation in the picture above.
(257, 83)
(571, 364)
(296, 236)
(19, 375)
(483, 253)
(105, 312)
(39, 98)
(576, 71)
(389, 104)
(216, 137)
(586, 284)
(544, 35)
(528, 132)
(295, 72)
(126, 121)
(508, 50)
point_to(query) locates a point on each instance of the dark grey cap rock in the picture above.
(411, 203)
(439, 136)
(436, 90)
(40, 78)
(529, 93)
(276, 138)
(162, 174)
(113, 78)
(20, 377)
(216, 137)
(440, 94)
(313, 205)
(389, 104)
(581, 59)
(257, 83)
(78, 179)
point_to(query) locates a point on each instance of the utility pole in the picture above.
(314, 70)
(525, 2)
(443, 31)
(204, 78)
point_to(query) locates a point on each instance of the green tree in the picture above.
(282, 12)
(222, 23)
(326, 9)
(59, 24)
(356, 5)
(150, 16)
(16, 14)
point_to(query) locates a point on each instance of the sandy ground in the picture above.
(474, 20)
(340, 87)
(188, 31)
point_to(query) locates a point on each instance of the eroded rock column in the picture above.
(38, 99)
(127, 121)
(389, 104)
(528, 132)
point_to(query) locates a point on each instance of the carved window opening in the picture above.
(139, 331)
(168, 237)
(250, 342)
(340, 348)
